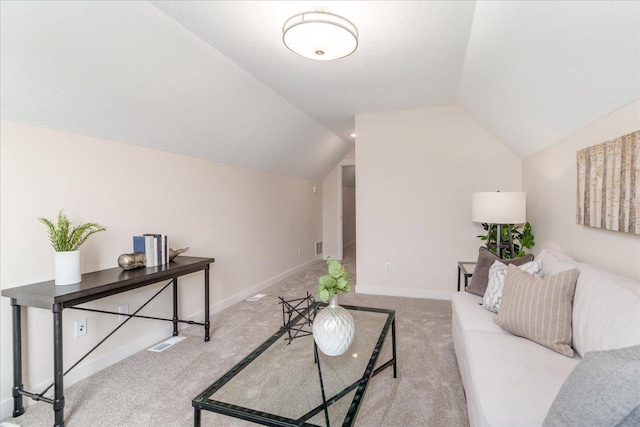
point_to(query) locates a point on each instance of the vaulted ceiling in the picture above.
(214, 80)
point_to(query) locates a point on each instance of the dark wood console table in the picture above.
(96, 285)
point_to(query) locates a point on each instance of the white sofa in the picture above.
(512, 381)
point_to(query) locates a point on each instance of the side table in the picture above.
(465, 268)
(93, 286)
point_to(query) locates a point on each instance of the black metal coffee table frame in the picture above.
(202, 401)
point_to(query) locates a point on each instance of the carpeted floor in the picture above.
(155, 389)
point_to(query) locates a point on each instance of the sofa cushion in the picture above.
(539, 309)
(469, 314)
(554, 262)
(480, 278)
(497, 274)
(512, 380)
(606, 311)
(603, 390)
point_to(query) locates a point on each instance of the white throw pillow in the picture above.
(553, 262)
(606, 310)
(497, 273)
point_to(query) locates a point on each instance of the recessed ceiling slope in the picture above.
(410, 53)
(214, 80)
(124, 71)
(538, 71)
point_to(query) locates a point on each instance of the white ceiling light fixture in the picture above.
(322, 36)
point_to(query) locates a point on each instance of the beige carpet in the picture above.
(155, 389)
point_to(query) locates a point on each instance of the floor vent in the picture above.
(318, 248)
(166, 344)
(256, 297)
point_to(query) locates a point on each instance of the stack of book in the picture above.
(155, 247)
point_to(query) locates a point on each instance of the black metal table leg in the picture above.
(459, 278)
(324, 397)
(18, 407)
(175, 307)
(207, 324)
(196, 417)
(58, 369)
(393, 347)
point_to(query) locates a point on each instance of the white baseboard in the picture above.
(87, 369)
(241, 296)
(403, 292)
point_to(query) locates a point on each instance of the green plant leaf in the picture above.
(527, 240)
(324, 295)
(342, 282)
(62, 238)
(327, 281)
(335, 268)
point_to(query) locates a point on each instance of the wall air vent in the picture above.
(318, 248)
(256, 297)
(166, 344)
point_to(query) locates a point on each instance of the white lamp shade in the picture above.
(322, 36)
(499, 207)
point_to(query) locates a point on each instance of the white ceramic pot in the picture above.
(68, 268)
(333, 329)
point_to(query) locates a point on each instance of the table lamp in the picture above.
(501, 209)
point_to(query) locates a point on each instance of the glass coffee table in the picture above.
(291, 383)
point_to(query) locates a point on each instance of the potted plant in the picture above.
(66, 240)
(521, 235)
(333, 327)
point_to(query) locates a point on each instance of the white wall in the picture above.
(416, 171)
(330, 212)
(348, 215)
(252, 222)
(549, 178)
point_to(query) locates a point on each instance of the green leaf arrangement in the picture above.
(65, 238)
(521, 235)
(336, 281)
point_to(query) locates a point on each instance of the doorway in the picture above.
(346, 203)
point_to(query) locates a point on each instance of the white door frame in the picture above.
(345, 162)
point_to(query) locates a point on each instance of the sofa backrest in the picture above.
(554, 262)
(606, 306)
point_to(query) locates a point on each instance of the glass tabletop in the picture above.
(283, 381)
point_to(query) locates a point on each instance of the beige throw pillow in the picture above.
(539, 309)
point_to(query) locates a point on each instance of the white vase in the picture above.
(333, 329)
(68, 267)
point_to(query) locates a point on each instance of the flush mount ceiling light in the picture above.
(320, 35)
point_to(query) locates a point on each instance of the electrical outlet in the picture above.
(387, 266)
(80, 327)
(300, 251)
(124, 309)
